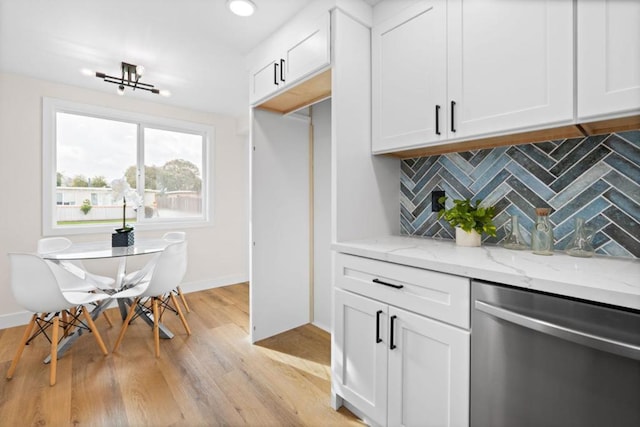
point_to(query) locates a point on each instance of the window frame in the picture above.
(52, 106)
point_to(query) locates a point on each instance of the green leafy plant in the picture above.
(86, 206)
(469, 216)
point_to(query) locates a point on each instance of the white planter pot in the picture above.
(467, 239)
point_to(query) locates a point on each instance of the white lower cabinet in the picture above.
(428, 372)
(395, 366)
(360, 358)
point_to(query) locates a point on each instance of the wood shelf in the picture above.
(571, 131)
(308, 92)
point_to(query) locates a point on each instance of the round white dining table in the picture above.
(102, 250)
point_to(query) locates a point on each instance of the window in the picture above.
(85, 148)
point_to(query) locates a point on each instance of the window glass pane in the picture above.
(90, 153)
(173, 164)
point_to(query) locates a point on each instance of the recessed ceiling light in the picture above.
(241, 7)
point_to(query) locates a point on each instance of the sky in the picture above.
(92, 146)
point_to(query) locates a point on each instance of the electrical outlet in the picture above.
(436, 206)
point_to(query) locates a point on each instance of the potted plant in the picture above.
(469, 219)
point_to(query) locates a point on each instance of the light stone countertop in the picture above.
(603, 279)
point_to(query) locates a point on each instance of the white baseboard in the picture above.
(14, 319)
(321, 326)
(22, 317)
(215, 283)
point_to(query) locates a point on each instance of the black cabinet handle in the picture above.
(275, 74)
(380, 282)
(378, 339)
(392, 345)
(437, 120)
(453, 120)
(282, 70)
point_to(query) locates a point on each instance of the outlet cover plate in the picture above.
(435, 196)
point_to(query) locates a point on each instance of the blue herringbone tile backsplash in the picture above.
(597, 178)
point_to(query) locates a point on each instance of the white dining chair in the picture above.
(35, 284)
(178, 236)
(92, 282)
(49, 245)
(144, 273)
(154, 292)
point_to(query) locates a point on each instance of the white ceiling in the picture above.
(193, 48)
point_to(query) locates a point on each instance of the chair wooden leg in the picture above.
(94, 330)
(65, 322)
(182, 318)
(156, 327)
(54, 349)
(106, 317)
(183, 299)
(27, 334)
(125, 324)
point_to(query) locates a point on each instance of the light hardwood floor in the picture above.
(213, 377)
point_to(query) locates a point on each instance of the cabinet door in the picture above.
(409, 65)
(608, 58)
(360, 354)
(279, 224)
(265, 80)
(310, 53)
(428, 372)
(510, 65)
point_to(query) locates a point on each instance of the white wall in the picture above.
(322, 281)
(218, 255)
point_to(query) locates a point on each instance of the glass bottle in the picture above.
(515, 240)
(580, 244)
(542, 233)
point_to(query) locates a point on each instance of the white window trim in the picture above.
(51, 106)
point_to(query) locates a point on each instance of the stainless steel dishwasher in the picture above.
(544, 360)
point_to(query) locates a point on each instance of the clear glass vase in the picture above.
(515, 240)
(542, 233)
(580, 244)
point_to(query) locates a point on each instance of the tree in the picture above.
(59, 178)
(99, 181)
(130, 176)
(150, 177)
(175, 175)
(179, 174)
(79, 181)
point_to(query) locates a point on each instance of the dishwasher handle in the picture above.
(583, 338)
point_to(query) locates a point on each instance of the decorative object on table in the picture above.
(542, 233)
(580, 244)
(124, 236)
(514, 240)
(469, 219)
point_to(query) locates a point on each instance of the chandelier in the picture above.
(130, 77)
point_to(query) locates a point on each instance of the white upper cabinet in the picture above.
(311, 52)
(608, 58)
(409, 59)
(488, 67)
(510, 65)
(265, 80)
(302, 56)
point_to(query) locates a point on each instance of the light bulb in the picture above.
(139, 70)
(241, 7)
(165, 93)
(121, 90)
